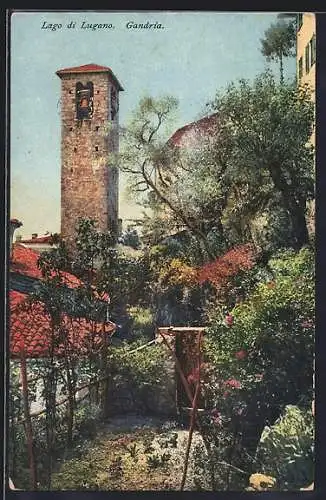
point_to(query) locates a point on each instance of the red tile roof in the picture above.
(30, 323)
(39, 239)
(89, 68)
(204, 125)
(24, 261)
(30, 330)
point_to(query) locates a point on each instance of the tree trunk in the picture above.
(296, 209)
(300, 228)
(281, 69)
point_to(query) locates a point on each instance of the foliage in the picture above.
(268, 163)
(142, 322)
(157, 460)
(279, 42)
(100, 263)
(221, 273)
(119, 462)
(130, 238)
(262, 360)
(248, 179)
(140, 373)
(286, 449)
(274, 327)
(158, 169)
(176, 298)
(177, 273)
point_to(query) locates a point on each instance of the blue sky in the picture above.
(195, 55)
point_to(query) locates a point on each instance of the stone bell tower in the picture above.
(89, 136)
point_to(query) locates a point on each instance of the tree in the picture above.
(255, 167)
(279, 42)
(130, 238)
(269, 162)
(166, 174)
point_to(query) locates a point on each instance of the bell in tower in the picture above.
(84, 101)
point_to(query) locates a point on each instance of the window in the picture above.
(300, 67)
(312, 44)
(299, 21)
(307, 58)
(84, 100)
(114, 103)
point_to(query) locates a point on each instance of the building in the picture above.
(186, 140)
(306, 74)
(89, 142)
(306, 53)
(30, 324)
(193, 134)
(38, 243)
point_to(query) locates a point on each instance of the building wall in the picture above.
(304, 36)
(89, 188)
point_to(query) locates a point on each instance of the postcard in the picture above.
(161, 251)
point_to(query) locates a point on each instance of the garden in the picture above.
(225, 251)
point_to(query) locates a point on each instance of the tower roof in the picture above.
(90, 68)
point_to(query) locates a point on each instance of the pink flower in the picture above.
(241, 354)
(193, 376)
(228, 320)
(216, 417)
(232, 382)
(308, 323)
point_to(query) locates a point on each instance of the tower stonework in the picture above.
(89, 137)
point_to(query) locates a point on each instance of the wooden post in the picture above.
(28, 421)
(191, 399)
(193, 413)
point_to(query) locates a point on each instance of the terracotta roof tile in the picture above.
(30, 323)
(204, 125)
(39, 239)
(30, 328)
(89, 68)
(84, 68)
(24, 261)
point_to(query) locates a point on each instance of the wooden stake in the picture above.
(28, 421)
(190, 398)
(193, 415)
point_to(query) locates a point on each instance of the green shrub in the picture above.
(260, 358)
(142, 322)
(286, 449)
(142, 373)
(269, 347)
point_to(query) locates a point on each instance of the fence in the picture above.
(29, 426)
